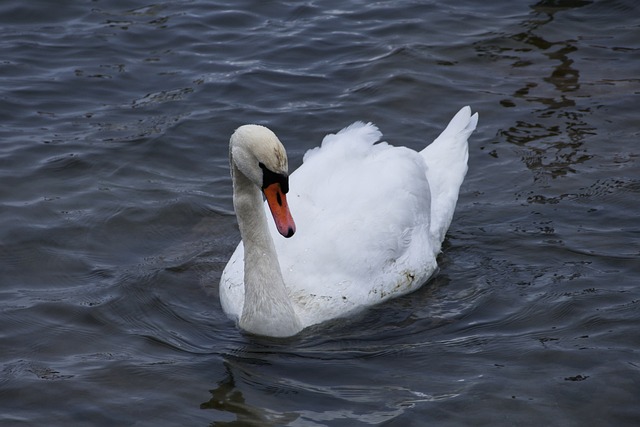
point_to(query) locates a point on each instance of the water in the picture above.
(116, 213)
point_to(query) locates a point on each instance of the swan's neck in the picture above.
(267, 308)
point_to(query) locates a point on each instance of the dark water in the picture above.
(116, 213)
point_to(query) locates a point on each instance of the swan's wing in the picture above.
(446, 159)
(362, 215)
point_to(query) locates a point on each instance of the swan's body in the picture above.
(370, 222)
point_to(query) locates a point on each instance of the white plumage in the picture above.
(370, 221)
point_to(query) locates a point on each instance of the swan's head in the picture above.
(260, 156)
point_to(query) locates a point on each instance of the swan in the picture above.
(370, 219)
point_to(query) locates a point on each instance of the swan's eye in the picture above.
(269, 177)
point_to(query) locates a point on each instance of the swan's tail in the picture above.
(446, 159)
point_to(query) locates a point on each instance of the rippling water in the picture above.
(116, 211)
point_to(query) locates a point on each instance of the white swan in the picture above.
(370, 222)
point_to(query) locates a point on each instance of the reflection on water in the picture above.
(265, 388)
(553, 140)
(229, 398)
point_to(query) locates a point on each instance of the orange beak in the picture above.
(280, 209)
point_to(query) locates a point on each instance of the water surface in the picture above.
(116, 213)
